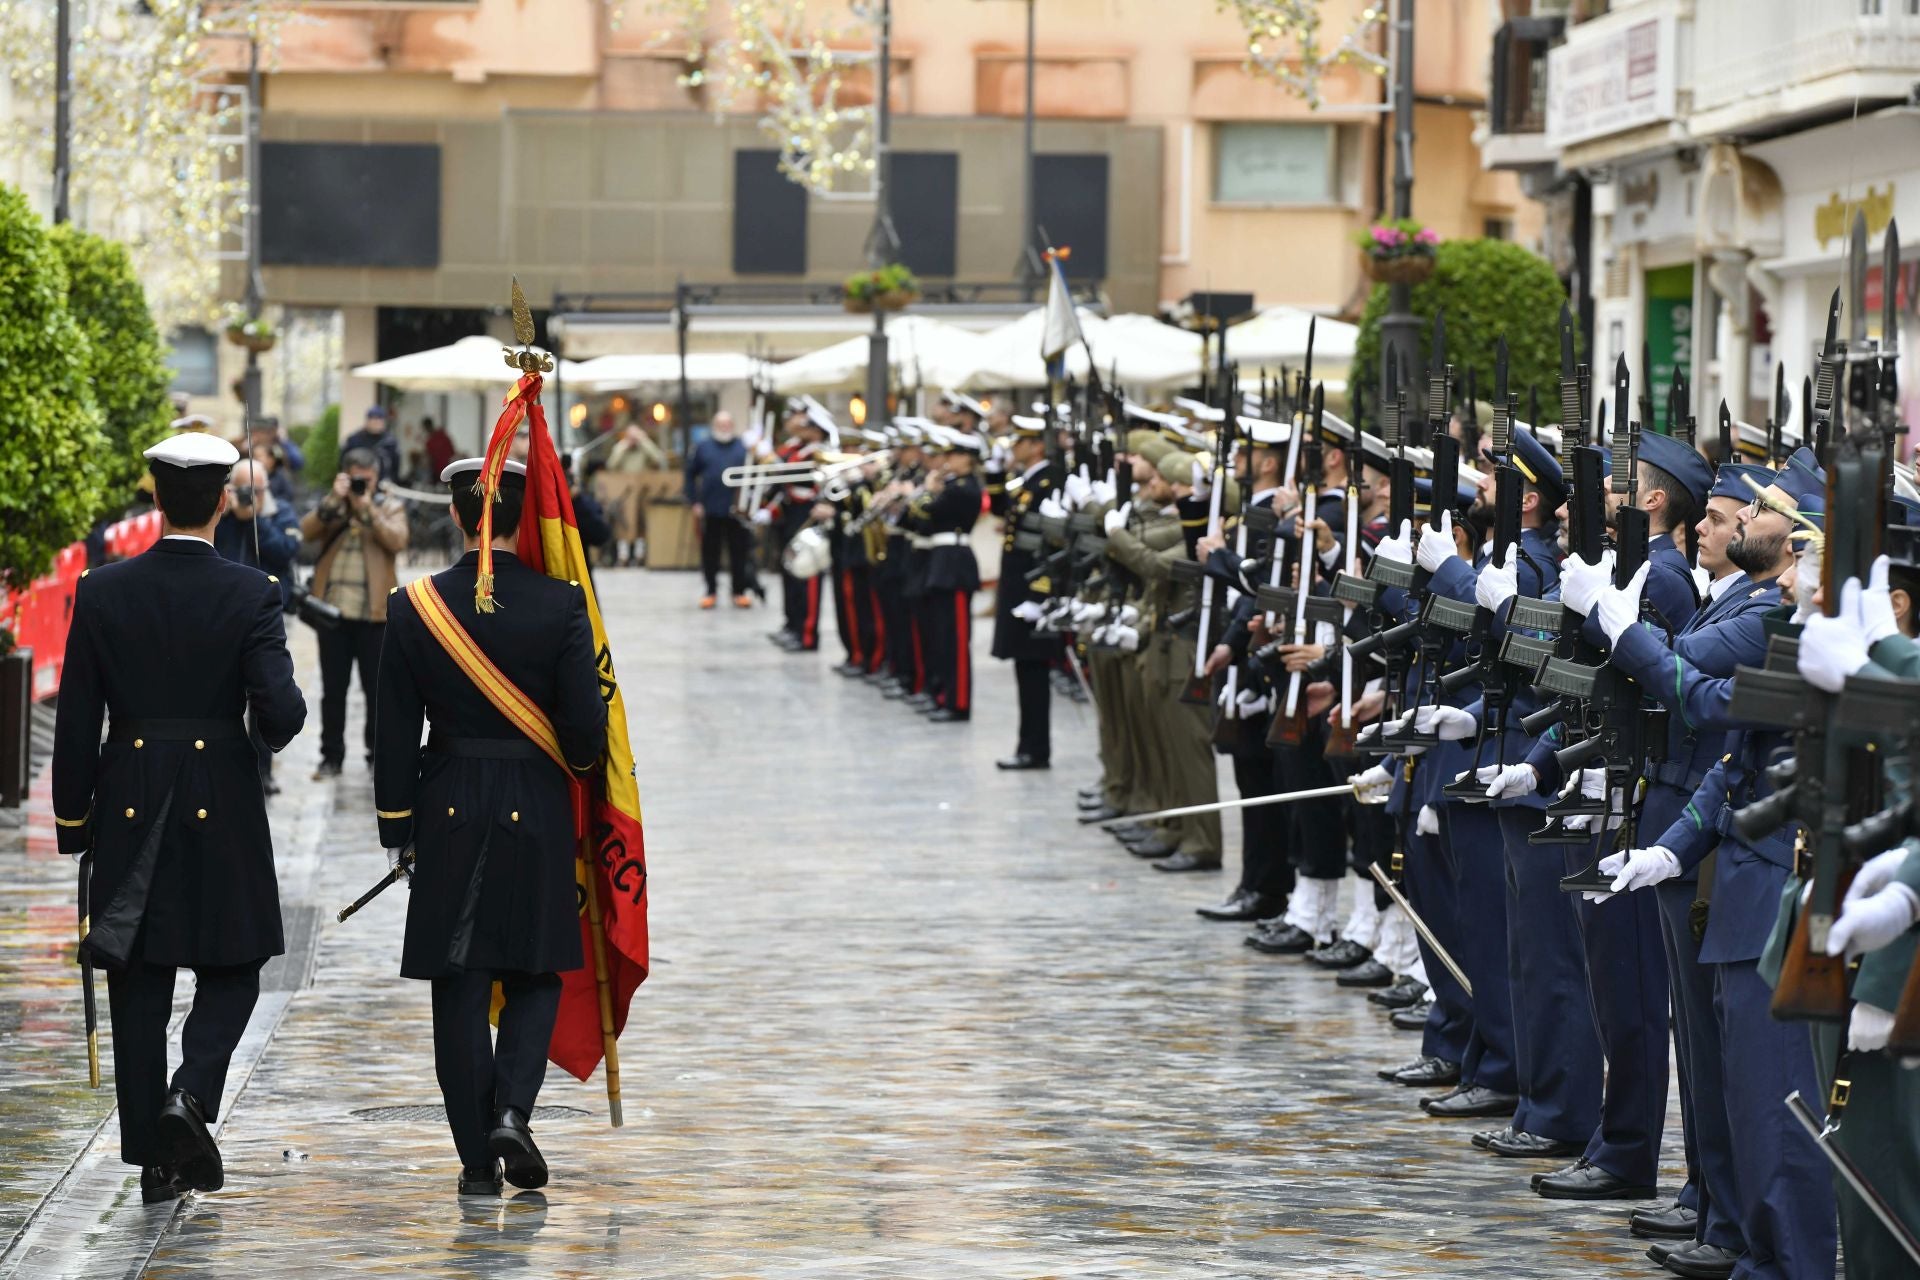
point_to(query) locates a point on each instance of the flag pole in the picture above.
(597, 928)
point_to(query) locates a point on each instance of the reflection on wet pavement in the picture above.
(907, 1019)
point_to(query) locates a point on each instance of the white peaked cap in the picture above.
(1265, 433)
(193, 449)
(461, 466)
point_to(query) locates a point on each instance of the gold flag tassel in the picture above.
(526, 391)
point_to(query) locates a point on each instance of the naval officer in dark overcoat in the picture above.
(489, 816)
(171, 649)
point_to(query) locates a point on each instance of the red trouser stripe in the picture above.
(810, 629)
(962, 651)
(850, 599)
(879, 631)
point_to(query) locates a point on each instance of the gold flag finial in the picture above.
(527, 360)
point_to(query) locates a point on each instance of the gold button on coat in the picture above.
(129, 813)
(200, 813)
(139, 743)
(449, 811)
(199, 744)
(516, 815)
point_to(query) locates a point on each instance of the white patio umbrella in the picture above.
(920, 351)
(621, 372)
(471, 364)
(1010, 355)
(1280, 333)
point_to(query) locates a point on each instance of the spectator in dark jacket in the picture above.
(374, 437)
(713, 504)
(252, 509)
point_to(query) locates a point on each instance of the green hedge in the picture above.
(1488, 288)
(127, 365)
(52, 443)
(322, 447)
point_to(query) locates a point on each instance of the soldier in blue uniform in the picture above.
(489, 815)
(173, 648)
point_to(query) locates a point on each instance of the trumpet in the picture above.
(831, 472)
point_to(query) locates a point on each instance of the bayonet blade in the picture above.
(1726, 434)
(1622, 427)
(1777, 423)
(1857, 280)
(1502, 427)
(1890, 292)
(1827, 378)
(1439, 376)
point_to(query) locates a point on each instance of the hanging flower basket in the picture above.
(252, 335)
(1398, 252)
(891, 288)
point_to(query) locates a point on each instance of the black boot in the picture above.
(512, 1141)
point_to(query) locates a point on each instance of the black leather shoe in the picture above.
(512, 1141)
(1087, 804)
(1403, 994)
(1131, 832)
(1411, 1018)
(946, 715)
(918, 701)
(1153, 847)
(1590, 1182)
(1392, 1073)
(480, 1182)
(1243, 905)
(1485, 1137)
(1020, 761)
(1338, 954)
(1428, 1073)
(1531, 1146)
(1368, 973)
(1702, 1262)
(159, 1184)
(1287, 940)
(1105, 813)
(1095, 792)
(190, 1148)
(893, 690)
(1476, 1100)
(1184, 862)
(850, 670)
(1675, 1222)
(1660, 1250)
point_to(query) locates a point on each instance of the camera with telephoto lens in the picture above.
(357, 486)
(311, 609)
(243, 495)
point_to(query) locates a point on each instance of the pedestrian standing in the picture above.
(257, 530)
(358, 529)
(174, 646)
(374, 437)
(712, 501)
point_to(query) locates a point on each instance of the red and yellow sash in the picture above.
(520, 710)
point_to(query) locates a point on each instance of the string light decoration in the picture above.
(1285, 43)
(157, 135)
(773, 56)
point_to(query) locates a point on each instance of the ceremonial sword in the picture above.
(86, 971)
(1419, 925)
(1850, 1172)
(404, 867)
(1246, 802)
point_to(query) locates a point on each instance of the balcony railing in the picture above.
(1760, 57)
(1518, 103)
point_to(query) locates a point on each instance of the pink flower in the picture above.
(1427, 235)
(1381, 235)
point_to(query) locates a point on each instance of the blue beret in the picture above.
(1728, 483)
(1678, 460)
(1802, 478)
(1537, 463)
(1814, 508)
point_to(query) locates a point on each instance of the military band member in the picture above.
(173, 648)
(787, 512)
(939, 524)
(488, 814)
(1032, 652)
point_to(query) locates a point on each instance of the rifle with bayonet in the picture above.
(1391, 640)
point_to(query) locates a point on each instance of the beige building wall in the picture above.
(1173, 67)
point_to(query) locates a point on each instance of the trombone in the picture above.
(832, 472)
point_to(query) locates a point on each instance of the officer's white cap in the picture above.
(961, 400)
(193, 449)
(1264, 433)
(1029, 426)
(471, 466)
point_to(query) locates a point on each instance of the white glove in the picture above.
(1050, 507)
(1202, 480)
(1869, 1027)
(1129, 616)
(1877, 872)
(1581, 581)
(1370, 786)
(1027, 611)
(1509, 781)
(84, 852)
(1426, 822)
(1251, 704)
(1436, 545)
(1640, 868)
(1449, 724)
(1876, 606)
(1127, 638)
(1592, 784)
(1497, 583)
(1831, 649)
(393, 860)
(1618, 608)
(1078, 489)
(1870, 921)
(1103, 492)
(1399, 547)
(1117, 518)
(762, 516)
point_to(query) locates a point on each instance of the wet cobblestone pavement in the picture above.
(906, 1019)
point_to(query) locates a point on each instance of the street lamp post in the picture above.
(882, 241)
(250, 384)
(62, 110)
(1028, 275)
(1399, 329)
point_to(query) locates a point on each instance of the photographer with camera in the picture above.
(359, 530)
(260, 531)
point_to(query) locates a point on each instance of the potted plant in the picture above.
(888, 288)
(255, 333)
(1397, 252)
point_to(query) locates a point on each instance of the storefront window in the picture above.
(1275, 164)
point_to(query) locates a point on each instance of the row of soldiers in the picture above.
(1501, 694)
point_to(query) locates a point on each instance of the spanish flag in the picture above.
(613, 885)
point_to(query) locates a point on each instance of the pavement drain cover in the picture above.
(438, 1115)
